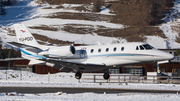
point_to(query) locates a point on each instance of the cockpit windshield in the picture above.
(148, 47)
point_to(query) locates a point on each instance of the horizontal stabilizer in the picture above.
(27, 47)
(20, 45)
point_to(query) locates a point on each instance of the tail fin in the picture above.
(24, 36)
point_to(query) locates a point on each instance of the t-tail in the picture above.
(24, 36)
(27, 43)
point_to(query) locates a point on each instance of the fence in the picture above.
(130, 79)
(16, 68)
(20, 74)
(14, 72)
(6, 72)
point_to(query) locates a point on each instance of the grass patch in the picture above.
(49, 40)
(131, 34)
(45, 27)
(176, 29)
(80, 16)
(10, 32)
(78, 28)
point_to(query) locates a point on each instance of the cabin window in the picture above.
(137, 48)
(141, 47)
(148, 47)
(107, 49)
(122, 49)
(99, 50)
(92, 50)
(114, 49)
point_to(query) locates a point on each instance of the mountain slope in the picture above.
(72, 21)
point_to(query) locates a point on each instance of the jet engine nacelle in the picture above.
(60, 52)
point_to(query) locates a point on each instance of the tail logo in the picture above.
(23, 31)
(25, 39)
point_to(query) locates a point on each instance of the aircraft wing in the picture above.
(74, 65)
(20, 44)
(64, 62)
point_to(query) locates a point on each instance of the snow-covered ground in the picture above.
(28, 79)
(88, 97)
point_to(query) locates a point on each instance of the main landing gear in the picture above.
(106, 76)
(78, 75)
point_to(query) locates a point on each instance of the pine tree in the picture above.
(177, 53)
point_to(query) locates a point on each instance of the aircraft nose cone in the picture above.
(169, 56)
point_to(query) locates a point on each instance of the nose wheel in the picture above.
(78, 75)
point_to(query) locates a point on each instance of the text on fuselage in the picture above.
(25, 39)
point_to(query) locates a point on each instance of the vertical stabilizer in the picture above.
(24, 36)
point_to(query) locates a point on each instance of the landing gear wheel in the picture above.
(106, 76)
(78, 75)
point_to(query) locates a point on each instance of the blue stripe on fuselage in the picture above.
(118, 55)
(32, 54)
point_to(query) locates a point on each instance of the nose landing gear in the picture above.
(156, 64)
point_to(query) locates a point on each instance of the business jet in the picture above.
(85, 58)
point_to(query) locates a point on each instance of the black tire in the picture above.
(106, 76)
(78, 75)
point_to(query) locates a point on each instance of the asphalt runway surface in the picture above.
(36, 90)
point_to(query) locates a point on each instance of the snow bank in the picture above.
(88, 97)
(13, 78)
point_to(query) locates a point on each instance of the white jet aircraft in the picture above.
(85, 58)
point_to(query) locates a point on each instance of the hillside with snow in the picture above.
(80, 24)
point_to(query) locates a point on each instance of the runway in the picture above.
(35, 90)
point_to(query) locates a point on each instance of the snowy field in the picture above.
(13, 79)
(88, 97)
(32, 14)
